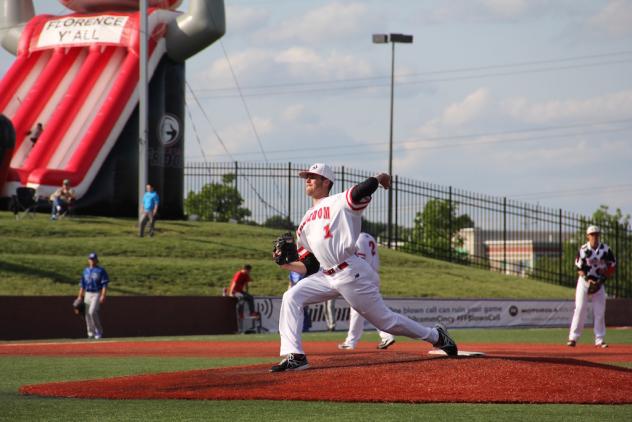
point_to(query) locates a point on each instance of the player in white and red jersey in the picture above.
(326, 237)
(366, 248)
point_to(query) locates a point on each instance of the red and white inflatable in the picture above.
(78, 74)
(89, 6)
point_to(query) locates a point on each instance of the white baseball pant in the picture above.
(357, 284)
(581, 306)
(93, 323)
(356, 329)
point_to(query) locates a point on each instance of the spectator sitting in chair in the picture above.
(239, 288)
(62, 199)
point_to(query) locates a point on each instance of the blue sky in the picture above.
(526, 99)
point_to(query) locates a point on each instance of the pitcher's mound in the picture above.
(377, 377)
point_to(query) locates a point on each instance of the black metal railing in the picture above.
(442, 222)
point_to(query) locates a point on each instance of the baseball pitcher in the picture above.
(326, 237)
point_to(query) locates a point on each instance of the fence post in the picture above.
(504, 235)
(396, 192)
(560, 276)
(342, 179)
(289, 191)
(616, 251)
(450, 224)
(236, 190)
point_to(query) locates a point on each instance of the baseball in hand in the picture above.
(384, 179)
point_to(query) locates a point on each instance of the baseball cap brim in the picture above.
(303, 173)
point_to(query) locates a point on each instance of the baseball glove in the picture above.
(284, 250)
(78, 306)
(594, 284)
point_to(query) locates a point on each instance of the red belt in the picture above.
(336, 268)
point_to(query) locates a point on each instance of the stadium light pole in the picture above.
(393, 39)
(143, 99)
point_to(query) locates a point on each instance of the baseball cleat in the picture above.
(571, 343)
(385, 344)
(445, 342)
(602, 345)
(345, 346)
(293, 362)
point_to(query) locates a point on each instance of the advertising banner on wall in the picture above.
(454, 313)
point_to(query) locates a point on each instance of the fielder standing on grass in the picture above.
(327, 237)
(367, 250)
(595, 262)
(93, 288)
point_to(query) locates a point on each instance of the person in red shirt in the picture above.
(239, 287)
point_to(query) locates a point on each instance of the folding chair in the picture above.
(255, 320)
(242, 317)
(23, 203)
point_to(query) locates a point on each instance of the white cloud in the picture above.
(615, 18)
(496, 11)
(465, 111)
(458, 114)
(331, 21)
(259, 66)
(505, 8)
(304, 63)
(241, 138)
(610, 106)
(245, 19)
(293, 112)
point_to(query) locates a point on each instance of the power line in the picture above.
(575, 192)
(326, 152)
(417, 74)
(219, 138)
(208, 120)
(355, 147)
(243, 101)
(322, 90)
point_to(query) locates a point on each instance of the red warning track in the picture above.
(508, 374)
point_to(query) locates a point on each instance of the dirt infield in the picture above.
(510, 373)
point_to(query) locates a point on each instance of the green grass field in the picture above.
(17, 371)
(41, 257)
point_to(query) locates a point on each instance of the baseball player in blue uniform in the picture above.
(93, 288)
(595, 262)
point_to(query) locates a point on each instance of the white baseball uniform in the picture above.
(591, 262)
(367, 250)
(329, 230)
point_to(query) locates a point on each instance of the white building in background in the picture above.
(513, 252)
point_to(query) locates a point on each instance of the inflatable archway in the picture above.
(77, 75)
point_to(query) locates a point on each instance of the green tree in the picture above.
(436, 229)
(217, 202)
(609, 222)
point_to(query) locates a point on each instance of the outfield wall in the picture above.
(42, 317)
(47, 317)
(460, 313)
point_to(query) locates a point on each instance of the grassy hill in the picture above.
(42, 257)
